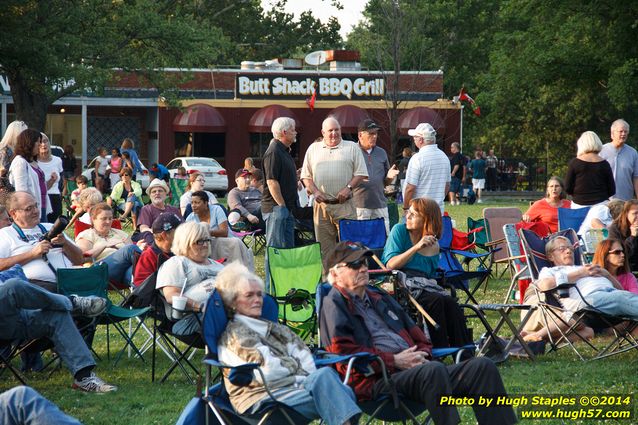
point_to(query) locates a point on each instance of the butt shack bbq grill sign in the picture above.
(260, 86)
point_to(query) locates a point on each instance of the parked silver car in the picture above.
(215, 174)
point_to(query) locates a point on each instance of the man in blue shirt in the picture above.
(623, 160)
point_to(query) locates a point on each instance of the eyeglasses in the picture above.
(125, 175)
(411, 213)
(563, 248)
(201, 180)
(202, 242)
(28, 209)
(354, 265)
(617, 252)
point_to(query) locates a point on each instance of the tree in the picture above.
(257, 34)
(559, 68)
(52, 48)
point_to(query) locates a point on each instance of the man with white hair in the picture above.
(428, 174)
(331, 170)
(623, 160)
(279, 200)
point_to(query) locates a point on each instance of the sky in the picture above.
(348, 17)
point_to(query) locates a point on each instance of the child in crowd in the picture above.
(181, 174)
(82, 183)
(126, 157)
(101, 164)
(116, 166)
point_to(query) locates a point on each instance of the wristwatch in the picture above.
(349, 186)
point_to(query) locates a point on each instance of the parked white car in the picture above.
(215, 174)
(143, 179)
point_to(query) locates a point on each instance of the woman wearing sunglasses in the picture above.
(610, 255)
(189, 273)
(413, 248)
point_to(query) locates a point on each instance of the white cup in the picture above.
(179, 305)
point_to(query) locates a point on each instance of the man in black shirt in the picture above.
(279, 199)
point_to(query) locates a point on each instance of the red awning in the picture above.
(413, 117)
(200, 118)
(261, 121)
(349, 117)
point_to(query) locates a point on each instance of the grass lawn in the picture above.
(139, 401)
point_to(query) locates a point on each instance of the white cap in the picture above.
(424, 130)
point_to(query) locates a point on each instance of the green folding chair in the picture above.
(87, 281)
(294, 275)
(178, 188)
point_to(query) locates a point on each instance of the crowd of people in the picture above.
(192, 249)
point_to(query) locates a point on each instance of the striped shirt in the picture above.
(429, 170)
(332, 168)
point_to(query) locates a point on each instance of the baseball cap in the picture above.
(368, 124)
(242, 172)
(346, 252)
(424, 130)
(165, 222)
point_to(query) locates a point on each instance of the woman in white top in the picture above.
(190, 272)
(51, 165)
(24, 173)
(8, 144)
(196, 182)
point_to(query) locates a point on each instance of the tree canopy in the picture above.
(542, 72)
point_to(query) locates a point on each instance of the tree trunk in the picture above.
(30, 107)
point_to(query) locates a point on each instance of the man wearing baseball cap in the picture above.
(356, 319)
(369, 197)
(160, 250)
(428, 173)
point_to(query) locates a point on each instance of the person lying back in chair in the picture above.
(594, 285)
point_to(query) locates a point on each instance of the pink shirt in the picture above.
(628, 282)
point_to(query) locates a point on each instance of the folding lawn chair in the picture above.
(294, 274)
(454, 273)
(216, 397)
(370, 233)
(622, 327)
(521, 274)
(495, 219)
(86, 281)
(178, 188)
(591, 239)
(571, 218)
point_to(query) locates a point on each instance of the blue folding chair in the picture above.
(370, 233)
(454, 274)
(571, 218)
(216, 397)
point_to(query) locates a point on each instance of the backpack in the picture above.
(471, 196)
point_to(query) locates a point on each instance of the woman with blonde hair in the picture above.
(190, 272)
(413, 248)
(589, 179)
(8, 144)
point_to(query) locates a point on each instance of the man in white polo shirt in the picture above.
(332, 168)
(428, 174)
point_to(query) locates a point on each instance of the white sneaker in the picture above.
(93, 384)
(88, 306)
(479, 201)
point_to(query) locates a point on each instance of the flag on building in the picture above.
(311, 100)
(466, 97)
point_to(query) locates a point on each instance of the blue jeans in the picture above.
(323, 396)
(280, 228)
(120, 263)
(25, 406)
(29, 312)
(615, 302)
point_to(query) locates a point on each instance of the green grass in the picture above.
(139, 401)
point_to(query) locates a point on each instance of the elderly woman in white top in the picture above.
(286, 362)
(51, 165)
(190, 272)
(225, 244)
(25, 174)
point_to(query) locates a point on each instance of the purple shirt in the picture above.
(150, 212)
(43, 185)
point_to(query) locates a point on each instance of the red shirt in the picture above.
(541, 210)
(149, 263)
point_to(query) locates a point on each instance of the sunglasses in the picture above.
(616, 252)
(354, 265)
(202, 242)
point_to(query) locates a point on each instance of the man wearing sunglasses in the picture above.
(355, 318)
(593, 284)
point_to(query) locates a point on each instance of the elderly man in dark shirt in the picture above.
(279, 200)
(356, 319)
